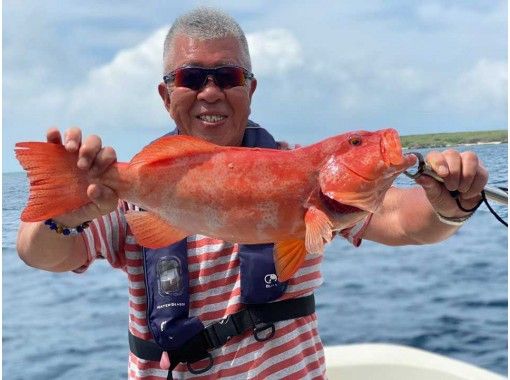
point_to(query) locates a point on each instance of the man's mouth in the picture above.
(211, 118)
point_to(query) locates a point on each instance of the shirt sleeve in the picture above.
(354, 234)
(104, 239)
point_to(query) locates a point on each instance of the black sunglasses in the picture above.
(195, 78)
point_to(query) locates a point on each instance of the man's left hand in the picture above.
(462, 172)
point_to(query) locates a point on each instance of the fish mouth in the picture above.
(391, 148)
(356, 174)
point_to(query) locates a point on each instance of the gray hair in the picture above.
(206, 23)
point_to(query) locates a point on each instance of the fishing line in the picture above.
(455, 194)
(498, 218)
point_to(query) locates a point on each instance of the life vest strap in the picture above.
(256, 318)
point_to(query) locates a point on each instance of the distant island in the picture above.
(434, 140)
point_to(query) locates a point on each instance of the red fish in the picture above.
(295, 198)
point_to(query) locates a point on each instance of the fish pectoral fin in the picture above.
(151, 231)
(318, 230)
(289, 256)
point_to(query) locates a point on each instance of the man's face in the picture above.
(213, 114)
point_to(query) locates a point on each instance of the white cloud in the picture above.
(133, 74)
(123, 92)
(358, 86)
(274, 51)
(484, 85)
(453, 14)
(481, 89)
(408, 80)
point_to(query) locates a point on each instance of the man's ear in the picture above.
(253, 86)
(165, 95)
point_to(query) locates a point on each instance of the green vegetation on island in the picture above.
(434, 140)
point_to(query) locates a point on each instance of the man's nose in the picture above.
(210, 92)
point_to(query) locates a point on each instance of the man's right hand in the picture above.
(95, 159)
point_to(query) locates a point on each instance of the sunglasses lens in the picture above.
(228, 77)
(194, 77)
(190, 77)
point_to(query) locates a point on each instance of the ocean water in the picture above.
(450, 298)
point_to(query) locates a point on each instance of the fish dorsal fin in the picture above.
(289, 255)
(171, 147)
(151, 231)
(318, 230)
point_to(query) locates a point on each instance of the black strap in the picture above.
(257, 318)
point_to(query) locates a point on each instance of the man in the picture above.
(215, 105)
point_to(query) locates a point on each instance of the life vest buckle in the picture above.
(260, 329)
(222, 331)
(201, 370)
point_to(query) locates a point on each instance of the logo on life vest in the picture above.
(271, 280)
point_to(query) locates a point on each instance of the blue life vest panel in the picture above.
(167, 275)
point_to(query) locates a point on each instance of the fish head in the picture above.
(361, 168)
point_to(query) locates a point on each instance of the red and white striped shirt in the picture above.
(295, 351)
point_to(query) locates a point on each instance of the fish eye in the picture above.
(355, 140)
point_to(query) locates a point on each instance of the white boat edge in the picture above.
(381, 361)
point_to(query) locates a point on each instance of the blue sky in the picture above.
(323, 67)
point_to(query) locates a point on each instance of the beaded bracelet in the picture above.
(64, 230)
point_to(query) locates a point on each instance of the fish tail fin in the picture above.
(57, 185)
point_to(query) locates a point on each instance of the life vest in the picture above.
(167, 276)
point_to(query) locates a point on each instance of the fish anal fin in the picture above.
(318, 230)
(289, 256)
(151, 231)
(171, 147)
